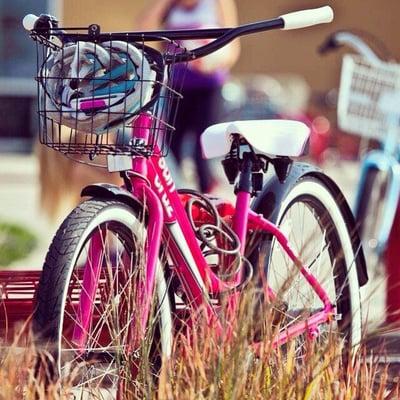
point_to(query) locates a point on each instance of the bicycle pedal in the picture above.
(337, 317)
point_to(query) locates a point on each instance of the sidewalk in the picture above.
(19, 203)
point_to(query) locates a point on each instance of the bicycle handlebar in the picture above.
(29, 21)
(294, 20)
(350, 39)
(48, 25)
(305, 18)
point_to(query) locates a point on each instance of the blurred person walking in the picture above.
(203, 78)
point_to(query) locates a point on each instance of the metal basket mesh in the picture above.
(82, 101)
(363, 86)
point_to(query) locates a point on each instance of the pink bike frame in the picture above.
(153, 185)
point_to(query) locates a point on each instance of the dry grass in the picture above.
(206, 366)
(232, 372)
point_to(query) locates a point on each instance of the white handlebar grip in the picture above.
(29, 21)
(302, 19)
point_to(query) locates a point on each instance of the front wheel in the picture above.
(89, 305)
(318, 231)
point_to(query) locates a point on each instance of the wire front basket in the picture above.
(363, 89)
(91, 93)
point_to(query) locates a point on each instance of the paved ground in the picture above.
(19, 202)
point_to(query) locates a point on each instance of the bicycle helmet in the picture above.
(93, 88)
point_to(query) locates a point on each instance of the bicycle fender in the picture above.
(274, 191)
(110, 191)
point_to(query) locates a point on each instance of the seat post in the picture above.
(243, 190)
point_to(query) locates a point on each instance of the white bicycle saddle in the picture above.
(272, 137)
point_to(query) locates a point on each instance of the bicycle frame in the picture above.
(153, 185)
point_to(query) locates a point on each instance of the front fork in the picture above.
(153, 243)
(92, 270)
(95, 261)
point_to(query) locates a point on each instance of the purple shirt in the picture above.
(204, 14)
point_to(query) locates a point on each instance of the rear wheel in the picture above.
(90, 305)
(317, 230)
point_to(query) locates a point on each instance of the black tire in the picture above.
(121, 230)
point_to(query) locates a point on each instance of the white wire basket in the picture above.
(365, 88)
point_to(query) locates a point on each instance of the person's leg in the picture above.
(204, 114)
(182, 124)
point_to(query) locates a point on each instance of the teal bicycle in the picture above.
(368, 102)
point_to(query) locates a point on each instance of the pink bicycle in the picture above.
(130, 261)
